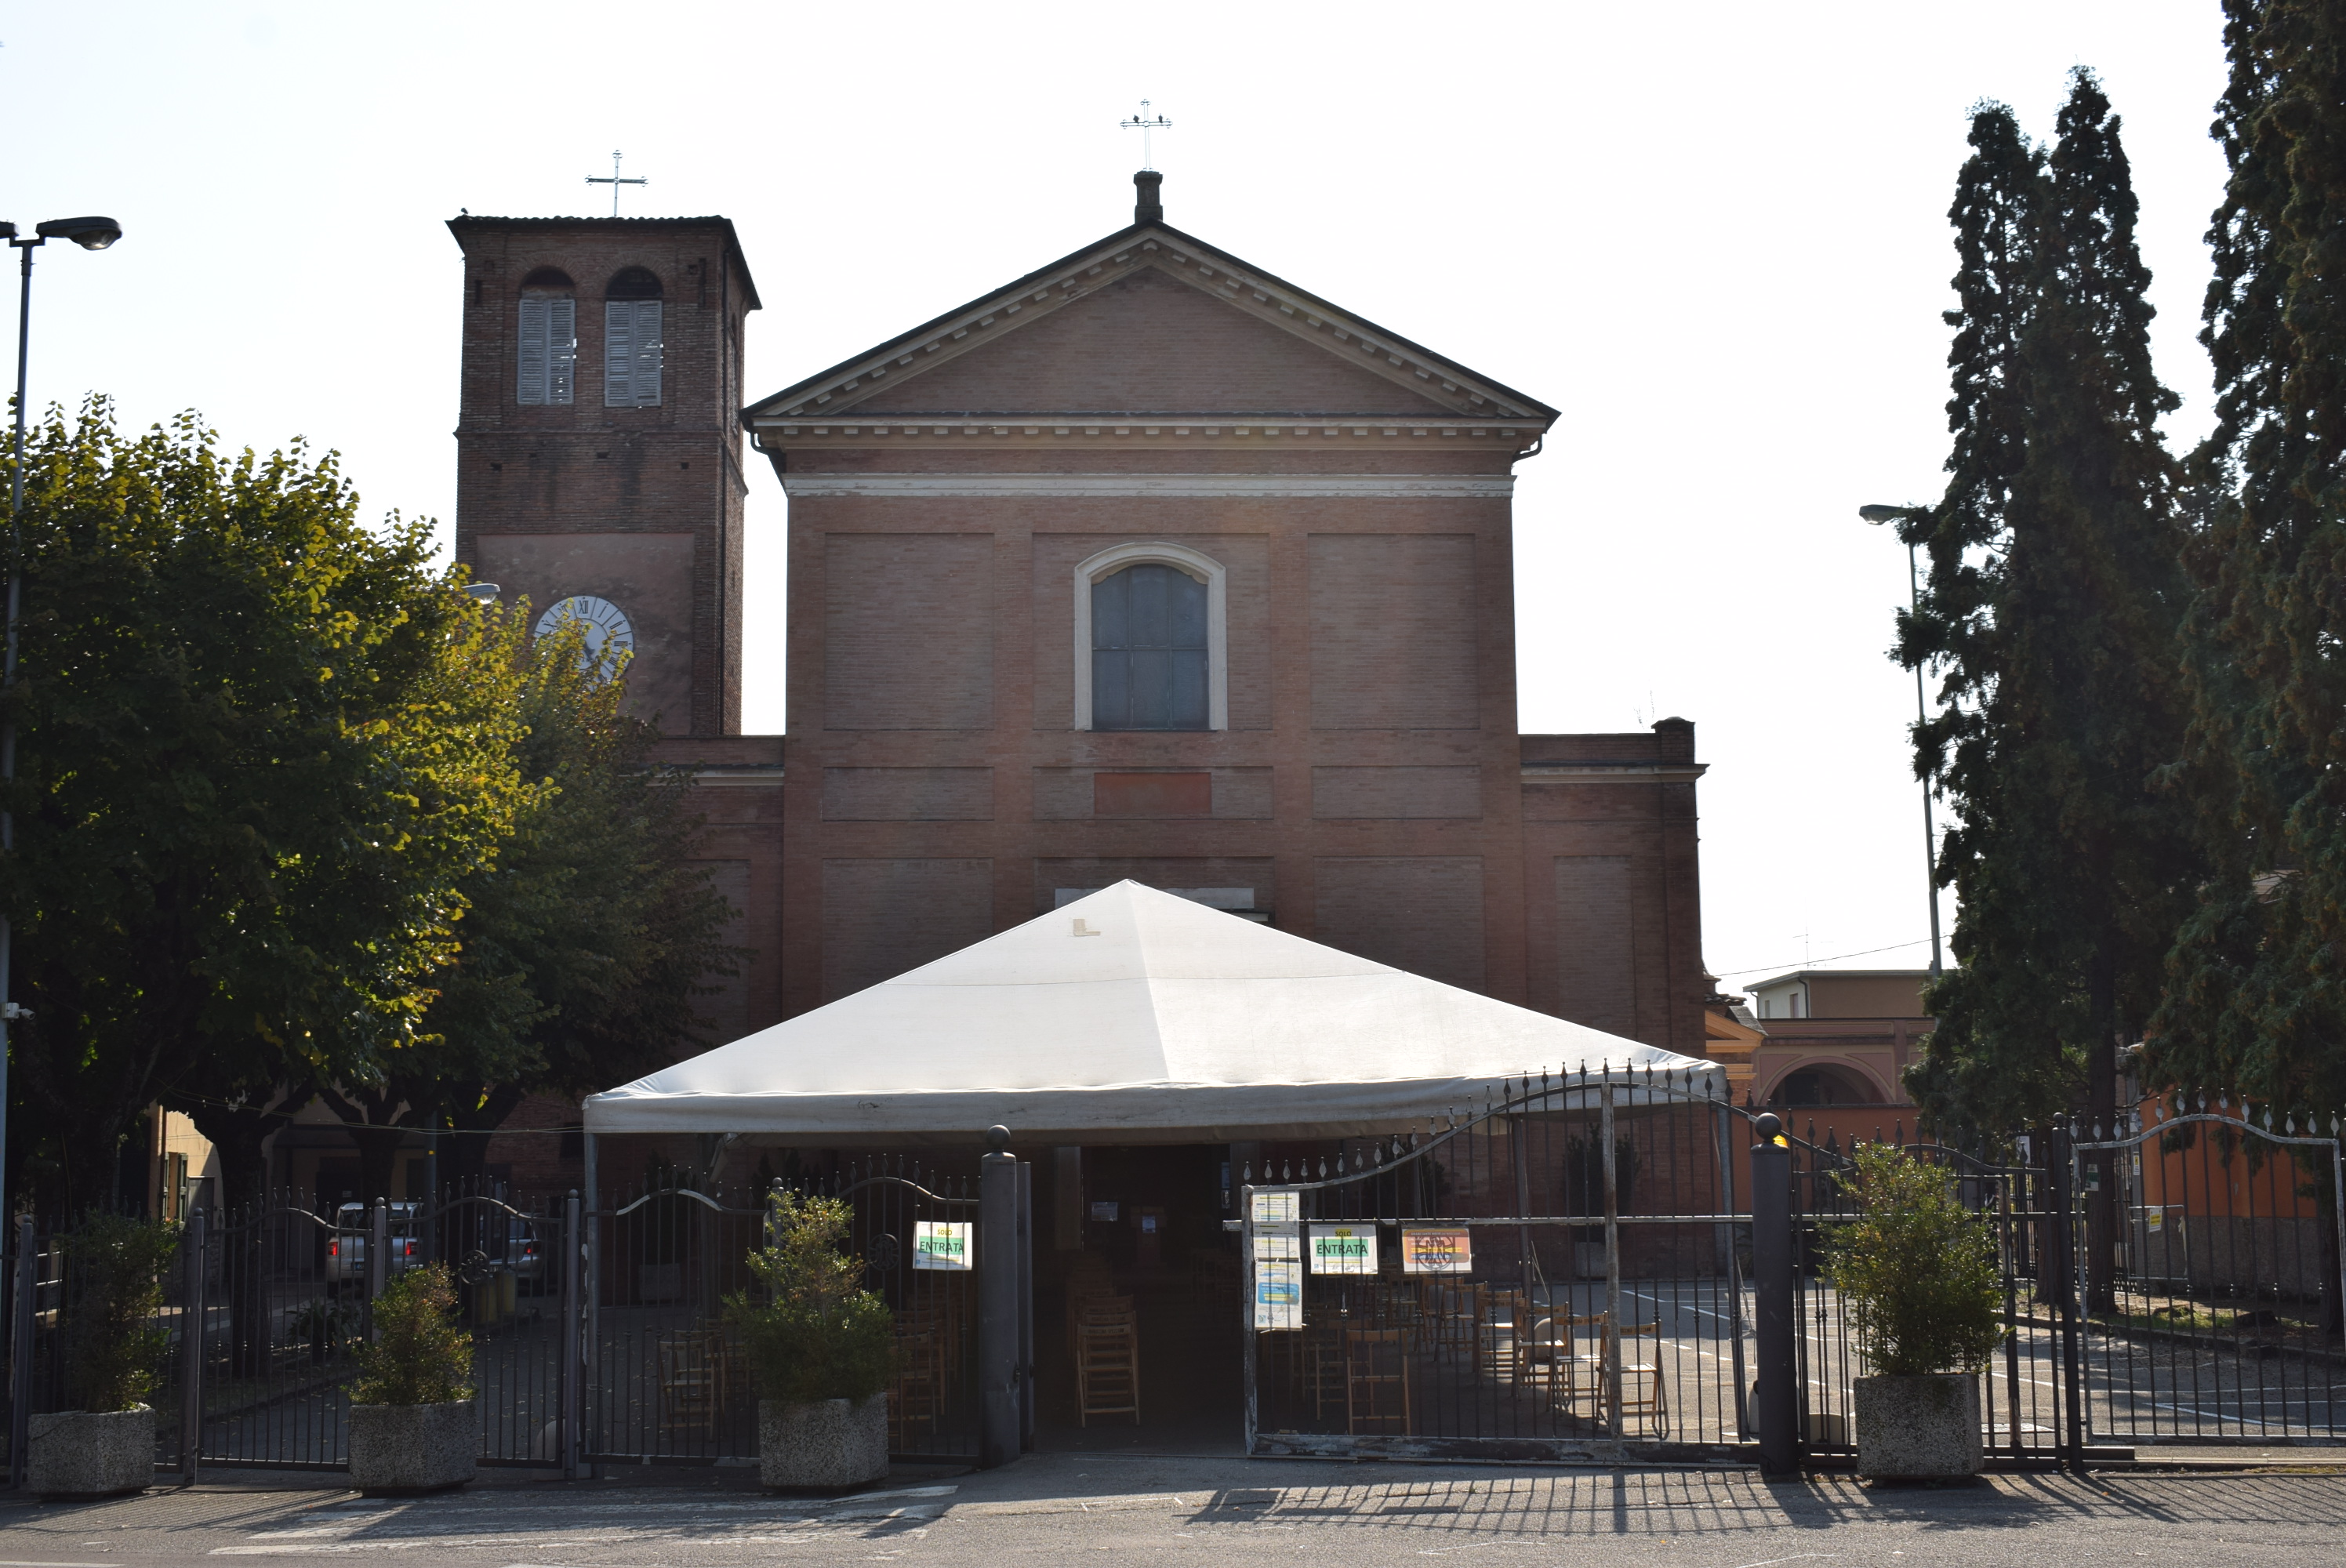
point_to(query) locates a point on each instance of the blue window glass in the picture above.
(1149, 650)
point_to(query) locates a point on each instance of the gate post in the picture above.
(997, 1302)
(573, 1341)
(378, 1257)
(20, 1403)
(1609, 1156)
(2060, 1156)
(1771, 1281)
(192, 1315)
(1025, 1306)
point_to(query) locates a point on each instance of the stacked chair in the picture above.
(1104, 1336)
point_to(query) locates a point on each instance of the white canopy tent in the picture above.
(1131, 1016)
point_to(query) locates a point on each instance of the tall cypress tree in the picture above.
(2256, 1000)
(2052, 607)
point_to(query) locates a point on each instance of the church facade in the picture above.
(1148, 564)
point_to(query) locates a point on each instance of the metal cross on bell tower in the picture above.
(1145, 125)
(614, 181)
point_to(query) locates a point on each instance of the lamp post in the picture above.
(90, 234)
(1877, 515)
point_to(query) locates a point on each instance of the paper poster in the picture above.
(1278, 1244)
(1275, 1208)
(1279, 1295)
(942, 1244)
(1437, 1251)
(1108, 1211)
(1344, 1249)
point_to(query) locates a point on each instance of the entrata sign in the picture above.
(942, 1244)
(1344, 1249)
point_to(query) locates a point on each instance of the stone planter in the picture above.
(90, 1454)
(397, 1449)
(826, 1445)
(1918, 1429)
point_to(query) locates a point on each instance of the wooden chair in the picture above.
(1323, 1367)
(1376, 1360)
(1108, 1365)
(1548, 1352)
(691, 1379)
(1643, 1389)
(914, 1398)
(1504, 1309)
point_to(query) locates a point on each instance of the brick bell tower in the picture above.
(598, 451)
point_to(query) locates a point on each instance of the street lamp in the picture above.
(1877, 515)
(90, 234)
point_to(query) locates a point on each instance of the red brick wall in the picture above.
(1371, 787)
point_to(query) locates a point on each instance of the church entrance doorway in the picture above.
(1136, 1340)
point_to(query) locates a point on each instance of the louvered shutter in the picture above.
(534, 326)
(647, 381)
(618, 353)
(561, 349)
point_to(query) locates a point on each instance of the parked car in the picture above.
(526, 1249)
(346, 1245)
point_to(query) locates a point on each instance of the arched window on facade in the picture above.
(1151, 665)
(548, 347)
(631, 339)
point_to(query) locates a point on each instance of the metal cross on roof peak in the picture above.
(1145, 125)
(614, 181)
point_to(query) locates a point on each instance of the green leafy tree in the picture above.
(1917, 1271)
(260, 745)
(2257, 999)
(586, 943)
(811, 1330)
(2051, 606)
(420, 1354)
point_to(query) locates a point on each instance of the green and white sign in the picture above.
(1344, 1249)
(943, 1244)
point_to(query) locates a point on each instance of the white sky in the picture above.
(1712, 233)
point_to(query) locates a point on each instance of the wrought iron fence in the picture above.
(2209, 1243)
(1562, 1268)
(2013, 1196)
(669, 1382)
(1565, 1269)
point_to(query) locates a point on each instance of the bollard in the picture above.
(999, 1412)
(1771, 1282)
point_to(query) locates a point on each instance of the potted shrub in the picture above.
(822, 1350)
(1916, 1271)
(414, 1427)
(114, 1345)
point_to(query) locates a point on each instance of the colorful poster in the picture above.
(1437, 1251)
(1277, 1295)
(943, 1244)
(1275, 1208)
(1344, 1249)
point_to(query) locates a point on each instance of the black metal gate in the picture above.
(2210, 1248)
(1558, 1275)
(668, 1381)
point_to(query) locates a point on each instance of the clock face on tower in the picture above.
(609, 637)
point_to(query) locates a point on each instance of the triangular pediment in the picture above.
(1150, 321)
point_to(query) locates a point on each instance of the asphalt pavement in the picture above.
(1160, 1508)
